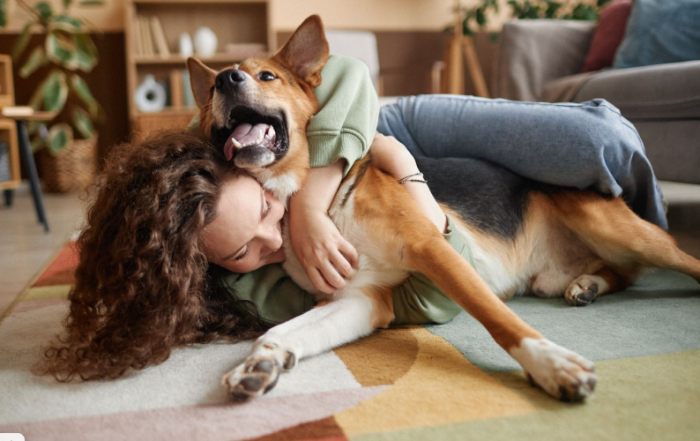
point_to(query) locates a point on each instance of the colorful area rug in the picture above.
(449, 382)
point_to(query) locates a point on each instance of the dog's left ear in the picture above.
(306, 52)
(202, 79)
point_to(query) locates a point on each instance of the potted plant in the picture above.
(68, 144)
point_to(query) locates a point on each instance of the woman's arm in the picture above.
(391, 156)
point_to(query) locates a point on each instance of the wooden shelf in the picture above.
(235, 22)
(201, 2)
(179, 59)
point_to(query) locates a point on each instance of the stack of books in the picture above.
(149, 37)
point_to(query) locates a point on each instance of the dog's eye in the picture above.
(266, 76)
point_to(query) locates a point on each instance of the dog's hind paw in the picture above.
(584, 290)
(561, 373)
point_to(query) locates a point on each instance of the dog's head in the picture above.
(258, 110)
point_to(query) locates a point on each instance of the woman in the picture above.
(161, 211)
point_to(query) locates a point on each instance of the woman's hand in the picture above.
(326, 256)
(390, 155)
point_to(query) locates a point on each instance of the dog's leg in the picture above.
(588, 287)
(341, 321)
(395, 223)
(619, 236)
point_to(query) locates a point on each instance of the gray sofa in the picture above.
(541, 60)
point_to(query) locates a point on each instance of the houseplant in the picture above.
(479, 14)
(68, 144)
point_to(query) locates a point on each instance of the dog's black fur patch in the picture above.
(487, 196)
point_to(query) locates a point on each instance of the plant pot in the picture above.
(72, 169)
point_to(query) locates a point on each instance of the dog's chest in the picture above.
(373, 268)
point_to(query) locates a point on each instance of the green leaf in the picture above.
(83, 122)
(55, 91)
(91, 3)
(3, 13)
(36, 60)
(60, 136)
(66, 23)
(466, 30)
(45, 11)
(61, 49)
(480, 17)
(83, 91)
(86, 52)
(22, 41)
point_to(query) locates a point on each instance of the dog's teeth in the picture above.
(260, 137)
(270, 133)
(236, 143)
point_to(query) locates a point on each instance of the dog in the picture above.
(524, 236)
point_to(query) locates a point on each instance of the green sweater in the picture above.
(343, 128)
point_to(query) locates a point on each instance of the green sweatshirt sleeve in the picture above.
(347, 122)
(276, 298)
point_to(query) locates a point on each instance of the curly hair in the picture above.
(143, 284)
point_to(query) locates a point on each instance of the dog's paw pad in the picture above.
(252, 378)
(582, 291)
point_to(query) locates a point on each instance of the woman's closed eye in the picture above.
(262, 216)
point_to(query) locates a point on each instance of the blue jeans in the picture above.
(586, 146)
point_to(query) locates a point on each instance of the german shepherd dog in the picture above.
(524, 237)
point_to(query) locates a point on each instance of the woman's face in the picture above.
(247, 231)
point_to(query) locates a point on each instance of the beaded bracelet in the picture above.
(408, 178)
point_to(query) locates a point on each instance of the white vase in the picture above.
(150, 96)
(205, 42)
(186, 45)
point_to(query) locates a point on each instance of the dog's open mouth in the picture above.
(255, 130)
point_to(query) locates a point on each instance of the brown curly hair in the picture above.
(143, 284)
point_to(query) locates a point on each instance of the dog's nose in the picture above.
(229, 78)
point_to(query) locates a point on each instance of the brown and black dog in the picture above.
(529, 237)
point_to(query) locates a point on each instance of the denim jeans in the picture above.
(583, 145)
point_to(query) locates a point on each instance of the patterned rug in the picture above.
(448, 382)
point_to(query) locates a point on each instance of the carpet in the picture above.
(447, 382)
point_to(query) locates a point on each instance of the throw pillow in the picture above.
(660, 31)
(608, 35)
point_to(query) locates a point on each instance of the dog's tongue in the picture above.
(246, 134)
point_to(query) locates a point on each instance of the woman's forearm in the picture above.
(320, 188)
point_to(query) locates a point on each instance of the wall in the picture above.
(409, 38)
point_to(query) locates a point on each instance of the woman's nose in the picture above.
(273, 237)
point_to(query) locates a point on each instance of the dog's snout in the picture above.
(229, 78)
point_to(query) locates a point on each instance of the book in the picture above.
(177, 99)
(15, 111)
(146, 36)
(138, 39)
(159, 37)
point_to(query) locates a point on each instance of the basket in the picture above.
(72, 169)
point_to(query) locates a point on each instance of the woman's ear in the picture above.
(306, 52)
(202, 79)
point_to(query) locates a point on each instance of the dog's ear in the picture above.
(306, 52)
(201, 79)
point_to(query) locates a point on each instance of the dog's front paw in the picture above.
(259, 373)
(560, 372)
(256, 376)
(584, 290)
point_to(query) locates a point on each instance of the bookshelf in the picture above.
(242, 28)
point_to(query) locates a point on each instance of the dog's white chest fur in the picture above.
(373, 269)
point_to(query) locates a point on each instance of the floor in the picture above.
(25, 248)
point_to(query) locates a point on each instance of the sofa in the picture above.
(541, 60)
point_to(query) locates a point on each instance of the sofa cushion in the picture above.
(660, 31)
(608, 35)
(663, 92)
